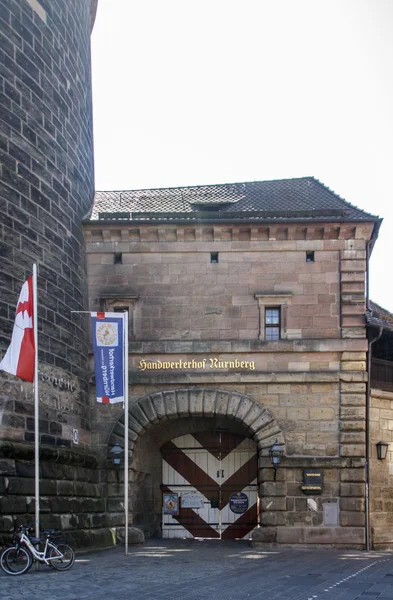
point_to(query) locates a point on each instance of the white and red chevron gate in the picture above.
(221, 468)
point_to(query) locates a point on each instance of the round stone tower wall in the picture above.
(46, 188)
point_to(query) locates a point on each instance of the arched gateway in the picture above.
(202, 446)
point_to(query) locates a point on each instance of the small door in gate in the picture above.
(214, 475)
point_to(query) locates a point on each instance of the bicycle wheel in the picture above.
(15, 561)
(61, 556)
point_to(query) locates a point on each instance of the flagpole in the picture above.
(36, 409)
(125, 432)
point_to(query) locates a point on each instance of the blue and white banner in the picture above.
(108, 346)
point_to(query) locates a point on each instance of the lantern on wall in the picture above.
(275, 453)
(116, 452)
(382, 450)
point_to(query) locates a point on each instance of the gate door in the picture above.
(209, 486)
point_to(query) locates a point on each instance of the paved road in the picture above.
(210, 570)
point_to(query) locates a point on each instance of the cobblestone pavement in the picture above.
(207, 570)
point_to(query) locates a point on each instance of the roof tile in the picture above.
(302, 198)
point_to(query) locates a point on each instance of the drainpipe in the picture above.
(368, 396)
(368, 452)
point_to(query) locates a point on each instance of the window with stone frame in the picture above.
(121, 304)
(272, 323)
(273, 315)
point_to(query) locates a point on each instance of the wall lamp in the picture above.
(275, 453)
(382, 450)
(117, 453)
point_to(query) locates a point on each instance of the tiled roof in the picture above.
(379, 317)
(300, 199)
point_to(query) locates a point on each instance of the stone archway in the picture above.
(199, 402)
(163, 416)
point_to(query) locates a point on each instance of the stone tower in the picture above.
(46, 188)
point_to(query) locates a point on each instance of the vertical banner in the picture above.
(108, 347)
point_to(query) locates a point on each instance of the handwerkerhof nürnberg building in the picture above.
(250, 329)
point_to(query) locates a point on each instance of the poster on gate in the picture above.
(108, 347)
(171, 504)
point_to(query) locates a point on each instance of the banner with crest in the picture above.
(109, 361)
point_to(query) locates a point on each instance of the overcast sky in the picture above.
(190, 92)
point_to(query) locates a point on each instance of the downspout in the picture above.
(368, 396)
(368, 451)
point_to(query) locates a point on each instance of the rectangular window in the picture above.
(273, 309)
(214, 257)
(272, 323)
(118, 258)
(310, 256)
(121, 304)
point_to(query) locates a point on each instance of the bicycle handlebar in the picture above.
(26, 530)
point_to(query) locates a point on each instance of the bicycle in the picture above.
(19, 557)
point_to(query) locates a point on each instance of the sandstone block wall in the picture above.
(47, 176)
(303, 416)
(46, 188)
(61, 411)
(73, 495)
(381, 471)
(182, 295)
(191, 318)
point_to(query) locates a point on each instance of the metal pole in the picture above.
(36, 409)
(125, 432)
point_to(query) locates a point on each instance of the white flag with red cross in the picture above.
(19, 359)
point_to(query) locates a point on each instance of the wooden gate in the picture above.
(209, 486)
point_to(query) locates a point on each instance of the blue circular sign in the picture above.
(238, 503)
